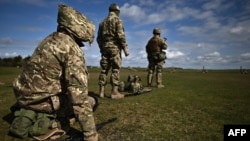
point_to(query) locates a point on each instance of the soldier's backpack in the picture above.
(22, 122)
(40, 126)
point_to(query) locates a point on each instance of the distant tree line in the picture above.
(16, 61)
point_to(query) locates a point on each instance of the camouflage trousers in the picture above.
(110, 60)
(154, 65)
(83, 113)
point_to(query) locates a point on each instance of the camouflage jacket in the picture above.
(111, 33)
(57, 66)
(155, 45)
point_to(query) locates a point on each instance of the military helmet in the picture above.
(114, 7)
(76, 23)
(157, 30)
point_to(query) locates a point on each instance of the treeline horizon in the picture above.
(17, 61)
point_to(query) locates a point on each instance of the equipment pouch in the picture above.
(162, 56)
(155, 57)
(22, 122)
(42, 124)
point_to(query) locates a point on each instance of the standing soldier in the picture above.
(156, 57)
(55, 75)
(111, 40)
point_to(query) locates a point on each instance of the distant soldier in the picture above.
(56, 76)
(156, 57)
(111, 40)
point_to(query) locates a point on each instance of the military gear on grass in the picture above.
(78, 24)
(23, 121)
(51, 134)
(29, 123)
(133, 85)
(42, 124)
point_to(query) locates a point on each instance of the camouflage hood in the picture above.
(78, 24)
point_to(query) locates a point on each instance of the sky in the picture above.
(210, 33)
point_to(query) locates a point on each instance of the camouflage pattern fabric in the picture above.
(111, 40)
(154, 46)
(133, 85)
(57, 67)
(76, 22)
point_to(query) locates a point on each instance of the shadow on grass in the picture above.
(9, 118)
(101, 125)
(146, 90)
(76, 135)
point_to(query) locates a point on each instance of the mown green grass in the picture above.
(192, 106)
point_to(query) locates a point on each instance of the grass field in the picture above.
(193, 106)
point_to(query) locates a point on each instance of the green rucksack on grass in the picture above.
(22, 123)
(29, 123)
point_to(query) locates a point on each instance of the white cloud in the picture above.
(175, 54)
(155, 18)
(132, 11)
(245, 55)
(214, 57)
(144, 2)
(213, 4)
(236, 30)
(7, 55)
(190, 30)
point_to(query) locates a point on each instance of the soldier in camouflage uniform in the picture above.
(156, 57)
(57, 70)
(111, 41)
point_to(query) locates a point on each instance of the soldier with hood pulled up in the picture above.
(56, 74)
